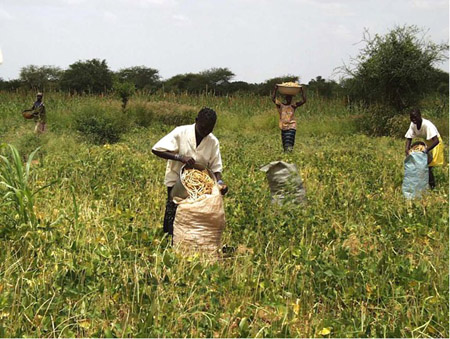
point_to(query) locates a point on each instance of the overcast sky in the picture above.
(255, 39)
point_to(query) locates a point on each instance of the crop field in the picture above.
(83, 253)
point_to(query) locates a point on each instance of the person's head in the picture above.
(415, 116)
(39, 96)
(288, 98)
(205, 121)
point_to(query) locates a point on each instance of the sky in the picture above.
(255, 39)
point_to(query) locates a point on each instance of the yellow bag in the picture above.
(199, 224)
(437, 153)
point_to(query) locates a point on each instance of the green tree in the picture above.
(266, 87)
(189, 82)
(214, 80)
(90, 76)
(124, 90)
(142, 77)
(41, 77)
(394, 69)
(324, 88)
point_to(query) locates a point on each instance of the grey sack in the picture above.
(415, 181)
(285, 182)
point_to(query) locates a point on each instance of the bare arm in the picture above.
(434, 144)
(274, 95)
(407, 145)
(174, 156)
(299, 103)
(222, 185)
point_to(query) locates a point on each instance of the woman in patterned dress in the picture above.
(288, 123)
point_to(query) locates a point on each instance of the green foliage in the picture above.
(395, 69)
(15, 190)
(375, 120)
(214, 80)
(90, 76)
(356, 261)
(102, 125)
(324, 88)
(266, 88)
(142, 77)
(144, 114)
(124, 90)
(41, 78)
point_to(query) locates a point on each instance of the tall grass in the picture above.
(16, 191)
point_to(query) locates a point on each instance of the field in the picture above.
(86, 256)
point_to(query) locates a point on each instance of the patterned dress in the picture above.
(287, 124)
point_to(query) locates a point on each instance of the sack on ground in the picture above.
(199, 224)
(415, 181)
(285, 182)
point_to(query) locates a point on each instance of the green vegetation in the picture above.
(88, 258)
(396, 69)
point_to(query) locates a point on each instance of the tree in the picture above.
(124, 90)
(394, 69)
(266, 87)
(212, 80)
(189, 82)
(41, 77)
(11, 85)
(90, 76)
(142, 77)
(324, 88)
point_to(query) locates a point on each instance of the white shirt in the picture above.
(182, 141)
(426, 131)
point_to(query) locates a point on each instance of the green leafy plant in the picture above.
(124, 90)
(101, 125)
(14, 182)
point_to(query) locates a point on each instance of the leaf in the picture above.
(325, 331)
(243, 325)
(296, 308)
(86, 324)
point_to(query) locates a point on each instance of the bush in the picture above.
(396, 69)
(146, 113)
(142, 114)
(398, 125)
(376, 119)
(182, 115)
(28, 142)
(101, 126)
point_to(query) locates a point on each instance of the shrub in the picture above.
(375, 120)
(146, 113)
(124, 90)
(28, 142)
(398, 125)
(142, 114)
(182, 115)
(396, 69)
(101, 126)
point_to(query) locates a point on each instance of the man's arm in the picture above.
(407, 146)
(222, 185)
(174, 156)
(299, 103)
(435, 140)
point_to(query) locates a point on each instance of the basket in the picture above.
(289, 90)
(28, 114)
(179, 191)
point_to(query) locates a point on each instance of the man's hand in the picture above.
(189, 161)
(223, 187)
